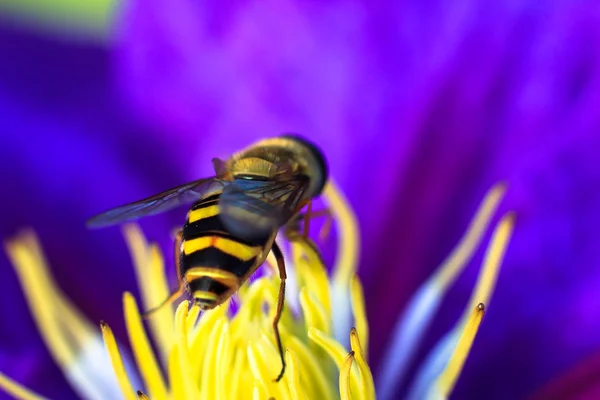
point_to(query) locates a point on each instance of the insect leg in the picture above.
(180, 289)
(292, 229)
(280, 300)
(326, 228)
(307, 217)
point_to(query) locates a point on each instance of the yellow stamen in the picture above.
(491, 265)
(182, 344)
(16, 390)
(311, 368)
(345, 392)
(192, 318)
(117, 362)
(336, 351)
(348, 243)
(263, 371)
(360, 315)
(366, 385)
(239, 369)
(177, 377)
(142, 350)
(223, 367)
(292, 377)
(152, 281)
(313, 312)
(448, 378)
(258, 393)
(199, 342)
(457, 260)
(311, 272)
(208, 379)
(481, 295)
(39, 291)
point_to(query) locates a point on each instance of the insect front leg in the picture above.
(280, 301)
(292, 229)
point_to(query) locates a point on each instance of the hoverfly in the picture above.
(234, 219)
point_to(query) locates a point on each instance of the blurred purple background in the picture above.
(419, 107)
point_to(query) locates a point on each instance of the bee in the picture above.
(234, 218)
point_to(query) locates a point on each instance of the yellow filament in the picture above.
(292, 377)
(348, 243)
(141, 395)
(152, 281)
(117, 362)
(311, 369)
(176, 376)
(40, 294)
(262, 369)
(360, 315)
(16, 390)
(192, 318)
(223, 367)
(313, 312)
(335, 350)
(252, 303)
(311, 272)
(446, 381)
(457, 260)
(258, 392)
(270, 357)
(80, 330)
(182, 343)
(366, 385)
(481, 295)
(199, 342)
(491, 265)
(345, 368)
(142, 350)
(208, 382)
(259, 370)
(240, 370)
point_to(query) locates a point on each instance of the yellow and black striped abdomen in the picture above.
(213, 262)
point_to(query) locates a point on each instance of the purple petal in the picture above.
(420, 108)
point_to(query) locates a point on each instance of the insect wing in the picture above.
(158, 203)
(253, 208)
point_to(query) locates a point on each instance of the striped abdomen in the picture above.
(213, 262)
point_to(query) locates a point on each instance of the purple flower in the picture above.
(419, 107)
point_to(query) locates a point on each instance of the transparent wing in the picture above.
(158, 203)
(254, 208)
